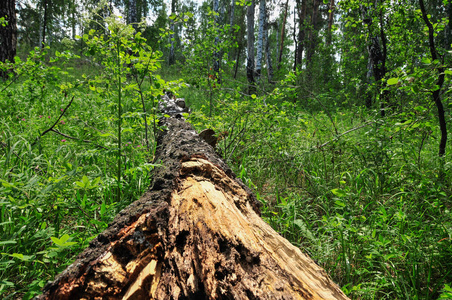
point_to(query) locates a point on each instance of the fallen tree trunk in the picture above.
(195, 234)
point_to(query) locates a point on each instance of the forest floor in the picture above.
(372, 206)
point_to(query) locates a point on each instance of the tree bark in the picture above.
(132, 14)
(171, 58)
(377, 56)
(44, 25)
(267, 52)
(437, 93)
(250, 47)
(277, 41)
(301, 31)
(8, 33)
(73, 19)
(312, 39)
(231, 25)
(330, 22)
(231, 16)
(294, 32)
(283, 33)
(216, 53)
(260, 38)
(196, 234)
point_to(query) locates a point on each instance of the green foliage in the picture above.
(59, 150)
(360, 194)
(208, 49)
(364, 195)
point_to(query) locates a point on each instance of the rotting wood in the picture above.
(195, 234)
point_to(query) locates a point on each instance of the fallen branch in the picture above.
(74, 138)
(337, 137)
(54, 124)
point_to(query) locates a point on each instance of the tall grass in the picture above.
(373, 206)
(59, 187)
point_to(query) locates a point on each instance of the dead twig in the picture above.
(77, 139)
(54, 124)
(346, 132)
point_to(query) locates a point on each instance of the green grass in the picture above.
(59, 191)
(372, 207)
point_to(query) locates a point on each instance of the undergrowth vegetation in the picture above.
(72, 155)
(366, 197)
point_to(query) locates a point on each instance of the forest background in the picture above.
(336, 113)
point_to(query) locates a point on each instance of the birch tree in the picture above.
(267, 51)
(260, 38)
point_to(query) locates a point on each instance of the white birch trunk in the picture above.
(260, 39)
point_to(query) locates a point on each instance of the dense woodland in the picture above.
(336, 113)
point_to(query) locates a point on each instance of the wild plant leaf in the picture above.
(21, 256)
(338, 192)
(392, 81)
(10, 242)
(63, 241)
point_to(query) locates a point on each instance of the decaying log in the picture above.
(195, 234)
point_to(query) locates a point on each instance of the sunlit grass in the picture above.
(59, 191)
(373, 207)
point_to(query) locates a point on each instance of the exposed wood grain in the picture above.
(196, 234)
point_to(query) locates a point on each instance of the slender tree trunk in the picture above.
(260, 38)
(231, 24)
(73, 21)
(267, 52)
(301, 30)
(240, 35)
(437, 93)
(277, 41)
(312, 34)
(384, 101)
(369, 96)
(239, 51)
(231, 17)
(132, 14)
(448, 29)
(8, 33)
(216, 53)
(377, 57)
(330, 22)
(283, 33)
(295, 36)
(171, 58)
(44, 25)
(250, 48)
